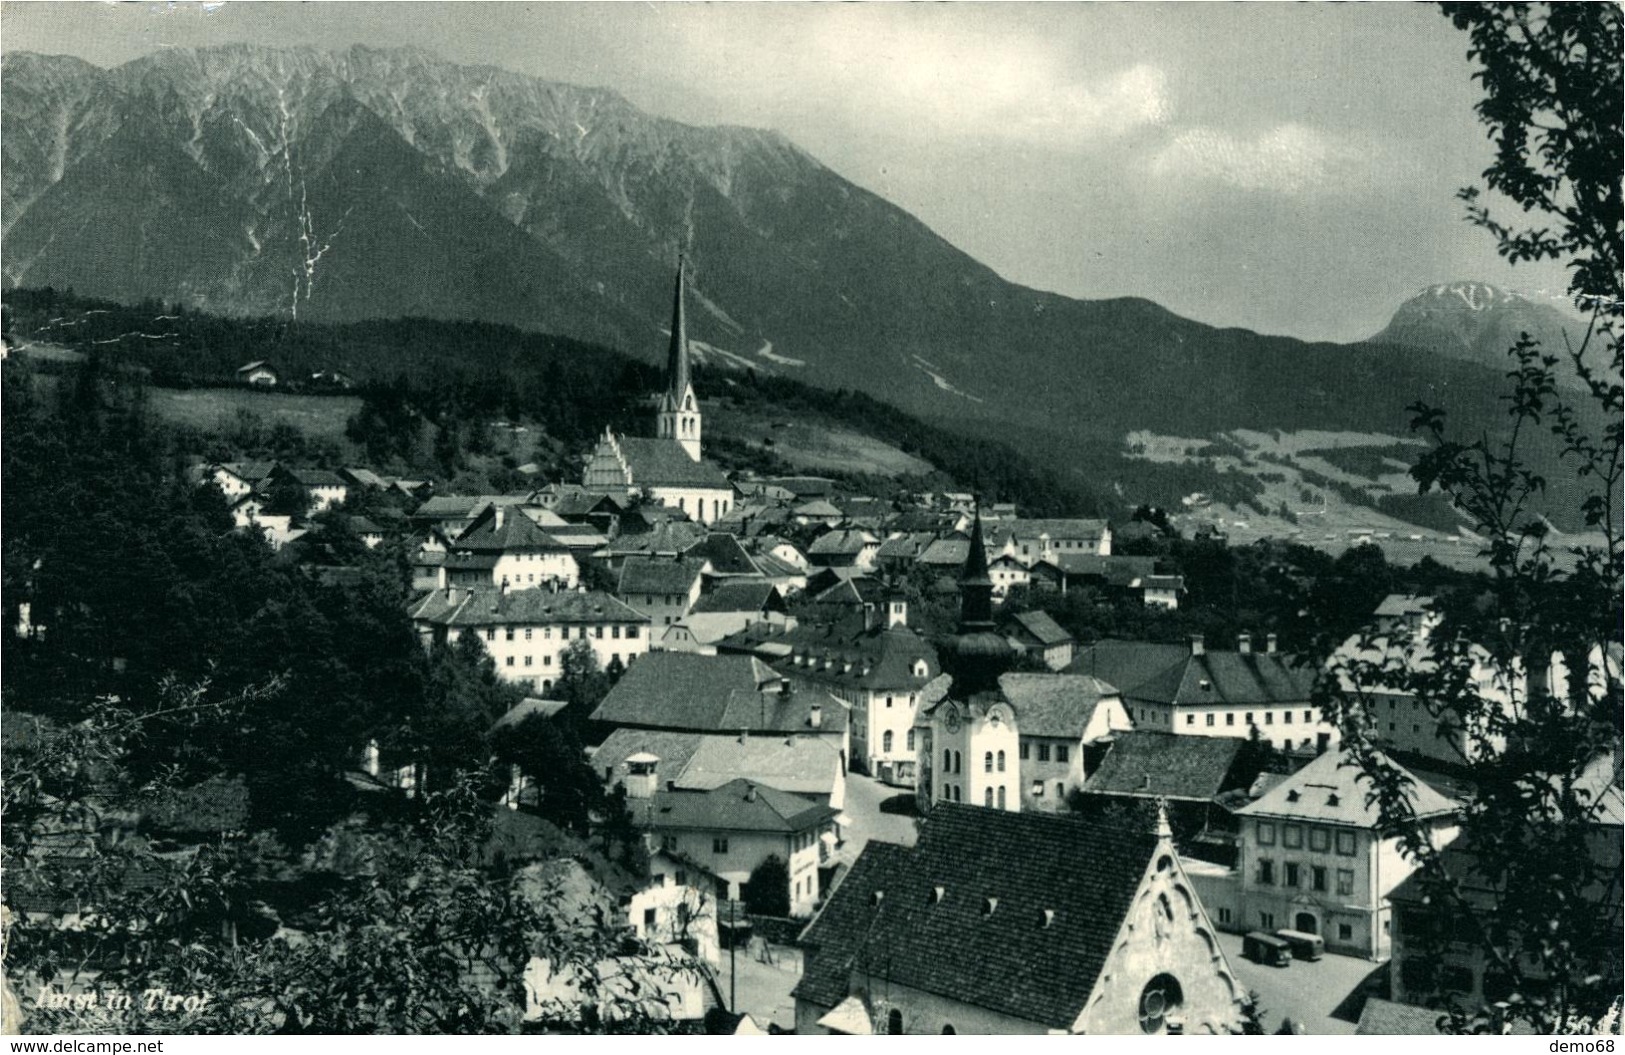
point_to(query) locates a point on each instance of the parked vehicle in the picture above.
(1304, 946)
(1266, 949)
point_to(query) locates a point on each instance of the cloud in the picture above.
(921, 72)
(1288, 159)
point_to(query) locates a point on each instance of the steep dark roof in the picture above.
(1114, 570)
(840, 543)
(1044, 630)
(739, 805)
(515, 532)
(314, 477)
(740, 597)
(1162, 764)
(727, 555)
(664, 463)
(878, 658)
(534, 607)
(1059, 705)
(663, 575)
(946, 552)
(1155, 673)
(664, 536)
(698, 693)
(1008, 960)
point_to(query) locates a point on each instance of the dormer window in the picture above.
(989, 906)
(876, 898)
(936, 895)
(1047, 918)
(1332, 799)
(1293, 796)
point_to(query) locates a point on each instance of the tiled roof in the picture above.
(727, 555)
(250, 472)
(775, 568)
(905, 547)
(699, 693)
(460, 507)
(817, 508)
(1055, 528)
(842, 543)
(1400, 604)
(1053, 704)
(533, 607)
(1384, 1018)
(803, 765)
(1162, 764)
(1156, 673)
(737, 806)
(665, 536)
(1045, 630)
(672, 748)
(739, 597)
(1330, 790)
(662, 575)
(879, 658)
(664, 463)
(315, 477)
(1015, 960)
(948, 552)
(515, 532)
(1115, 570)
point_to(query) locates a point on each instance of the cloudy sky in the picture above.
(1290, 168)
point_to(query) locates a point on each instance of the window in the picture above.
(547, 661)
(1269, 717)
(649, 917)
(1230, 718)
(1026, 750)
(509, 661)
(1043, 752)
(1286, 716)
(547, 633)
(527, 633)
(631, 632)
(948, 1030)
(1001, 761)
(1210, 720)
(894, 1022)
(885, 742)
(1292, 836)
(1266, 872)
(1160, 998)
(1345, 844)
(1038, 789)
(1345, 882)
(1345, 932)
(911, 739)
(1266, 833)
(1291, 875)
(597, 632)
(719, 846)
(615, 632)
(987, 797)
(1249, 717)
(1190, 719)
(1317, 875)
(1266, 920)
(888, 701)
(1001, 796)
(527, 661)
(987, 762)
(959, 763)
(947, 761)
(1224, 915)
(491, 634)
(1320, 839)
(1062, 752)
(1308, 716)
(1060, 790)
(957, 796)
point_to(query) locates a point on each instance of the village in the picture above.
(873, 791)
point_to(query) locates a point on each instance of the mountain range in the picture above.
(365, 183)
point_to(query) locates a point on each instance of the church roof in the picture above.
(1059, 889)
(664, 463)
(677, 379)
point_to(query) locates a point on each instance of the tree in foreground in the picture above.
(1524, 674)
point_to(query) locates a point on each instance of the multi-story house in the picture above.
(999, 922)
(1038, 635)
(871, 659)
(503, 547)
(525, 630)
(322, 489)
(1022, 747)
(730, 831)
(1197, 691)
(662, 588)
(1031, 541)
(1314, 859)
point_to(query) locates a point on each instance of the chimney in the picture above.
(1197, 645)
(1244, 643)
(1269, 643)
(815, 716)
(496, 520)
(868, 616)
(750, 792)
(784, 686)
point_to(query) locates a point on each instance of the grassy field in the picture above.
(320, 417)
(812, 446)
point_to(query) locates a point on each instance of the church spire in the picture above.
(975, 585)
(677, 354)
(679, 415)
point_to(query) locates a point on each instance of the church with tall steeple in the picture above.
(668, 467)
(679, 415)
